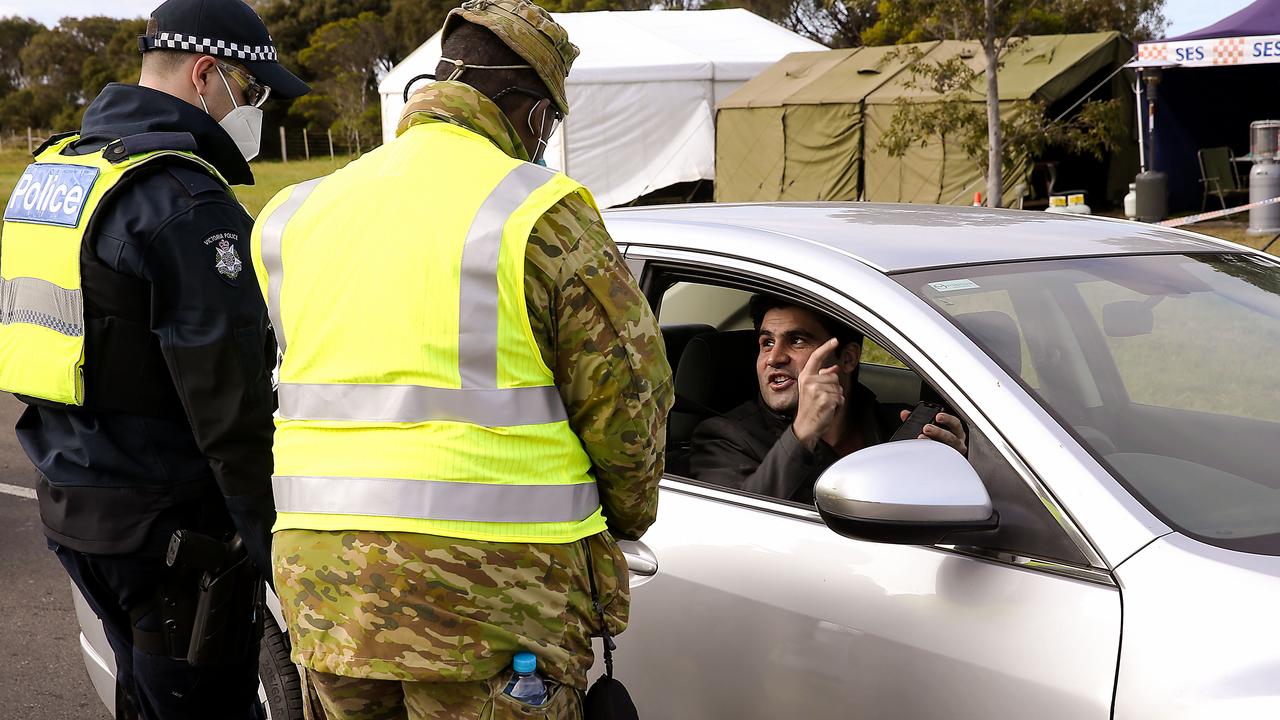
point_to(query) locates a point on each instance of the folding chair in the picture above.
(1218, 176)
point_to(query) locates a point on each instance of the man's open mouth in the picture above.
(780, 381)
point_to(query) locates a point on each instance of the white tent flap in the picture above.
(641, 95)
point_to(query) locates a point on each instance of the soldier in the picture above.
(132, 330)
(473, 396)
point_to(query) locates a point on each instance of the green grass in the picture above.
(11, 164)
(270, 176)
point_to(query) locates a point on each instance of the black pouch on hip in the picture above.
(607, 698)
(227, 598)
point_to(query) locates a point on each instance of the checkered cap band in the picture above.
(220, 48)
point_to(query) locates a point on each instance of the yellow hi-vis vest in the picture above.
(49, 215)
(413, 396)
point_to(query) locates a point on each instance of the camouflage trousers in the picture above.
(333, 697)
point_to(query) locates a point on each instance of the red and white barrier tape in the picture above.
(1179, 222)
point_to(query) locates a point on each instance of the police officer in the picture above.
(473, 397)
(134, 332)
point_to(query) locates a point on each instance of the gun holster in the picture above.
(210, 600)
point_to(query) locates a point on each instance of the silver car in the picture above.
(1110, 548)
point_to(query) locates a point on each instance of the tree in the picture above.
(348, 55)
(906, 21)
(997, 25)
(294, 22)
(834, 23)
(957, 117)
(412, 22)
(71, 63)
(15, 33)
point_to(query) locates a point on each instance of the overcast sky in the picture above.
(1186, 15)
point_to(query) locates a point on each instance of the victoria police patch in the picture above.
(226, 258)
(229, 264)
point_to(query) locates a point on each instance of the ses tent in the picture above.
(641, 95)
(1211, 84)
(810, 128)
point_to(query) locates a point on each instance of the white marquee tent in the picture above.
(642, 95)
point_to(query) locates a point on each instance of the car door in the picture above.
(748, 607)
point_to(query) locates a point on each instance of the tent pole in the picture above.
(1140, 102)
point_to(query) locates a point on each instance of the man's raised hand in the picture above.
(821, 397)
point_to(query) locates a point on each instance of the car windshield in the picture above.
(1165, 367)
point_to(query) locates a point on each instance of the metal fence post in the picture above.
(31, 146)
(306, 144)
(284, 150)
(329, 133)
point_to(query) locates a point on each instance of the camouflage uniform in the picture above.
(394, 622)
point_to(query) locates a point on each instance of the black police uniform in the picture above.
(176, 428)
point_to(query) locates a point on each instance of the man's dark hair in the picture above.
(477, 45)
(762, 303)
(164, 61)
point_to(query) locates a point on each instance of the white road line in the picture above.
(22, 492)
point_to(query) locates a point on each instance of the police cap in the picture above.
(528, 30)
(223, 28)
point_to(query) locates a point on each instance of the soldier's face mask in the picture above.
(544, 131)
(545, 128)
(458, 68)
(549, 118)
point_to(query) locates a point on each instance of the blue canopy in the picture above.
(1215, 82)
(1260, 18)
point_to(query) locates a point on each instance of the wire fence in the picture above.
(26, 140)
(295, 143)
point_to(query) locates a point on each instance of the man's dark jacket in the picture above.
(176, 428)
(753, 448)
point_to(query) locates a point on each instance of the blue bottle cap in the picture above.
(525, 662)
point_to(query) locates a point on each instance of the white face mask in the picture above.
(243, 124)
(543, 137)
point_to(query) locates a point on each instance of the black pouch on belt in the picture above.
(227, 597)
(607, 698)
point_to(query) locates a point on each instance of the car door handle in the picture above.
(640, 560)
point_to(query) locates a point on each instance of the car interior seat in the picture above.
(715, 373)
(999, 333)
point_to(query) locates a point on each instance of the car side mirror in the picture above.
(911, 492)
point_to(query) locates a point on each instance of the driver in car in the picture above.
(810, 412)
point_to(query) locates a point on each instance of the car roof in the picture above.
(899, 237)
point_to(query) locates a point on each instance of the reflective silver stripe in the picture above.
(272, 242)
(478, 296)
(32, 301)
(435, 500)
(505, 407)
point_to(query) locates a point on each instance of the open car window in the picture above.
(712, 347)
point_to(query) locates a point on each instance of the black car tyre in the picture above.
(281, 687)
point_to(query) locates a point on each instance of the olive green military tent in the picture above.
(809, 127)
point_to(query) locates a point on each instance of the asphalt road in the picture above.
(41, 674)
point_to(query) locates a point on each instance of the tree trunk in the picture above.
(995, 139)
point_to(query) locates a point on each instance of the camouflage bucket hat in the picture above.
(528, 30)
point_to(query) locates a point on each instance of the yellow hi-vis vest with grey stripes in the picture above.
(413, 396)
(47, 218)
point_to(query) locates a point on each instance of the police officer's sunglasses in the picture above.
(255, 93)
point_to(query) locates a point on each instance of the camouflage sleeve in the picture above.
(598, 334)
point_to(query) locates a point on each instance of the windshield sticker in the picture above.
(953, 285)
